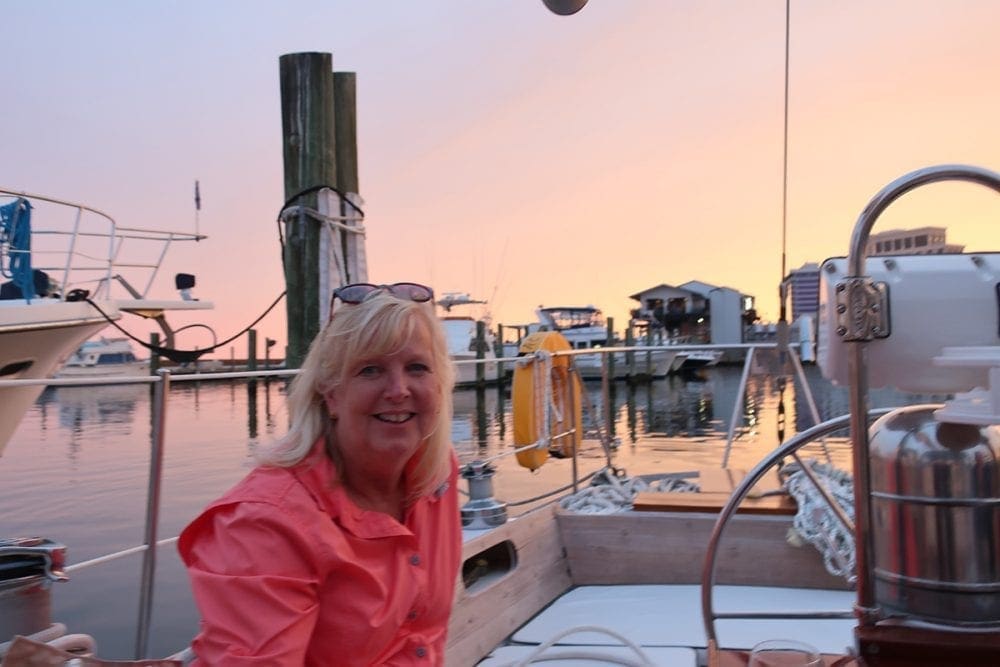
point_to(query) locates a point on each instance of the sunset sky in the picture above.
(507, 152)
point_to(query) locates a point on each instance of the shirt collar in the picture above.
(318, 475)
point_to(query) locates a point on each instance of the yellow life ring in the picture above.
(528, 395)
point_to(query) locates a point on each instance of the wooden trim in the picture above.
(482, 619)
(669, 548)
(717, 485)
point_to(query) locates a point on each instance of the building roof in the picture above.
(638, 295)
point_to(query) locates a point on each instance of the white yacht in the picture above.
(105, 357)
(73, 271)
(584, 327)
(464, 341)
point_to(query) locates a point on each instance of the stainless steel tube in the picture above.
(160, 392)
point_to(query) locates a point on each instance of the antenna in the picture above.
(197, 208)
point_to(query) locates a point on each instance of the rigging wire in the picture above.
(784, 170)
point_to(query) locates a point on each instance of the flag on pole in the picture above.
(197, 197)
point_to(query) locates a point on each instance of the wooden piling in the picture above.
(610, 343)
(630, 356)
(498, 350)
(345, 114)
(154, 358)
(649, 355)
(308, 147)
(252, 350)
(480, 352)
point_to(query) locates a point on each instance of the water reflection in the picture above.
(698, 407)
(694, 406)
(111, 406)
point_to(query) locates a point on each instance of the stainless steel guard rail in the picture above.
(789, 448)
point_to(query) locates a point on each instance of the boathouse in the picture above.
(696, 310)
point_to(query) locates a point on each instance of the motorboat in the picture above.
(585, 328)
(697, 358)
(71, 276)
(700, 359)
(104, 357)
(471, 343)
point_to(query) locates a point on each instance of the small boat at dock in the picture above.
(471, 343)
(106, 357)
(584, 327)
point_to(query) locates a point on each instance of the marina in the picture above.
(753, 468)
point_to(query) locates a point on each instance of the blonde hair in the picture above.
(379, 325)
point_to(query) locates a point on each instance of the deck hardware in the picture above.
(861, 309)
(483, 510)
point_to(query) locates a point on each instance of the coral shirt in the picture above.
(287, 570)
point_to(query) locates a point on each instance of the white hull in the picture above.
(465, 373)
(108, 370)
(461, 334)
(701, 359)
(656, 364)
(39, 336)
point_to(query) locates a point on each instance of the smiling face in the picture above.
(386, 405)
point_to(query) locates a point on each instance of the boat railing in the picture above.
(82, 247)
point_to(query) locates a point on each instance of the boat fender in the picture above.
(541, 377)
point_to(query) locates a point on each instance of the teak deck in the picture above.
(717, 485)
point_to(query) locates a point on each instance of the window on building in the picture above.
(907, 242)
(896, 244)
(921, 240)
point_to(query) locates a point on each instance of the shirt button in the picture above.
(412, 615)
(421, 652)
(415, 559)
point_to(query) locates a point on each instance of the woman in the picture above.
(343, 547)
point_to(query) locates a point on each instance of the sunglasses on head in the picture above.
(356, 293)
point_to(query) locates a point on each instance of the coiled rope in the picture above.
(816, 523)
(55, 637)
(612, 491)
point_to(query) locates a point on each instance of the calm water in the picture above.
(75, 471)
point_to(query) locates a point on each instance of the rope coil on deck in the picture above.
(613, 491)
(816, 523)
